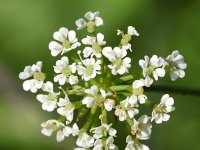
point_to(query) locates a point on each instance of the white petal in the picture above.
(81, 23)
(60, 136)
(89, 15)
(98, 21)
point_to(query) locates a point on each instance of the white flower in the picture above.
(142, 127)
(133, 145)
(154, 66)
(93, 20)
(96, 43)
(91, 97)
(120, 63)
(84, 140)
(66, 108)
(63, 131)
(91, 69)
(51, 126)
(99, 131)
(138, 90)
(160, 111)
(127, 109)
(176, 66)
(126, 38)
(65, 72)
(49, 102)
(66, 41)
(109, 104)
(38, 77)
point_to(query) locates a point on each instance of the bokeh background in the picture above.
(26, 28)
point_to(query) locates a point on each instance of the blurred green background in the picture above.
(26, 28)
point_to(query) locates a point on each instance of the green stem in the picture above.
(125, 79)
(78, 104)
(90, 118)
(104, 115)
(121, 88)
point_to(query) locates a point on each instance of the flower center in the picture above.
(66, 44)
(125, 40)
(138, 91)
(90, 26)
(90, 69)
(66, 71)
(160, 109)
(51, 97)
(117, 63)
(39, 76)
(96, 47)
(150, 70)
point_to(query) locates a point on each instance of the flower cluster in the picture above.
(92, 81)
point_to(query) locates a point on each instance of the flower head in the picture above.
(38, 77)
(160, 111)
(176, 65)
(93, 20)
(120, 63)
(66, 41)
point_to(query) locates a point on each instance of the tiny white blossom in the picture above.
(66, 41)
(134, 145)
(91, 97)
(127, 108)
(120, 63)
(84, 140)
(93, 20)
(66, 108)
(177, 65)
(160, 111)
(65, 72)
(142, 127)
(132, 31)
(96, 43)
(38, 77)
(51, 126)
(138, 90)
(153, 66)
(109, 104)
(99, 131)
(90, 69)
(49, 101)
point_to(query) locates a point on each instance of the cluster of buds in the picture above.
(92, 81)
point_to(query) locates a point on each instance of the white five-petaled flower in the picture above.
(160, 111)
(84, 140)
(154, 66)
(120, 63)
(109, 104)
(63, 131)
(134, 145)
(176, 64)
(96, 43)
(65, 72)
(108, 144)
(93, 20)
(127, 108)
(38, 77)
(142, 127)
(66, 108)
(66, 41)
(90, 69)
(49, 101)
(91, 97)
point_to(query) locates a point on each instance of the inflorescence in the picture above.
(94, 83)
